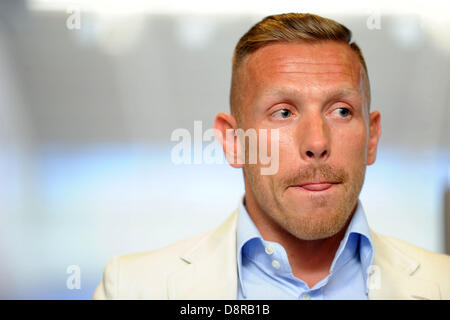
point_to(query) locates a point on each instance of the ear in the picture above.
(374, 136)
(224, 129)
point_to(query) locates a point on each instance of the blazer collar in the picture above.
(209, 270)
(391, 275)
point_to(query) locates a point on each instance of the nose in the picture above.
(315, 144)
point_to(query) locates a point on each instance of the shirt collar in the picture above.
(356, 236)
(246, 231)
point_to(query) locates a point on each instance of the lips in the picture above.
(316, 186)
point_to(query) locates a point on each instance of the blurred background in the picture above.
(91, 91)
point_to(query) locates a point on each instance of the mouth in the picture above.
(315, 186)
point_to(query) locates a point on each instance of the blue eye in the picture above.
(343, 112)
(283, 113)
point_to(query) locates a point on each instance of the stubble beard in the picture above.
(299, 222)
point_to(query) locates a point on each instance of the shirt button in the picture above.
(275, 264)
(269, 249)
(306, 296)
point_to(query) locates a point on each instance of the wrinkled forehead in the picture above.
(324, 62)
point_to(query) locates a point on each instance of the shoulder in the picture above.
(431, 266)
(415, 252)
(165, 256)
(168, 258)
(143, 275)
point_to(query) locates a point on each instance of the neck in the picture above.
(310, 260)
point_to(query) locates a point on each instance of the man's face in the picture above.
(312, 93)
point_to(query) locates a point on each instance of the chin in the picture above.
(315, 223)
(312, 204)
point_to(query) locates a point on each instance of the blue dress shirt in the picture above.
(264, 271)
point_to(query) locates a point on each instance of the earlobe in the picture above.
(374, 136)
(224, 128)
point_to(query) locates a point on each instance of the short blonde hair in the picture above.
(291, 27)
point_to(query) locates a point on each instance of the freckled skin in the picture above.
(315, 143)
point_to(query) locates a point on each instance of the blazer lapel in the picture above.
(392, 275)
(209, 270)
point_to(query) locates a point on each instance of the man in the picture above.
(301, 232)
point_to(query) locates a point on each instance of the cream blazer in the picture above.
(205, 267)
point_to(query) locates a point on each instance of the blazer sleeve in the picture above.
(107, 289)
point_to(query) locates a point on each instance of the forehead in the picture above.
(319, 65)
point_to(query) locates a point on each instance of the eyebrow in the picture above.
(344, 92)
(331, 95)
